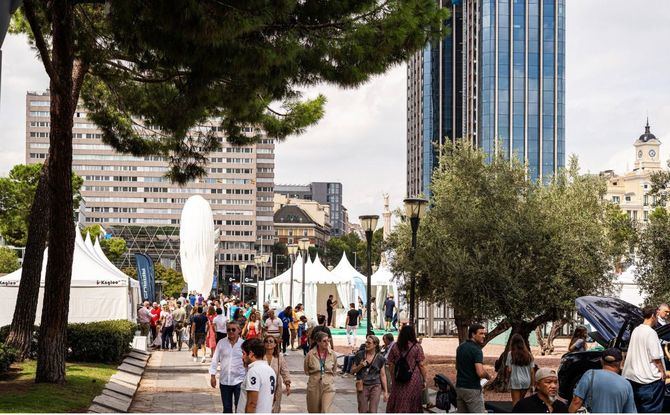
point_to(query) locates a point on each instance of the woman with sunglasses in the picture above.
(370, 376)
(278, 363)
(252, 329)
(320, 366)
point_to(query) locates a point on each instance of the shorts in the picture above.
(200, 339)
(388, 319)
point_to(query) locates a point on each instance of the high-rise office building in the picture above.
(130, 197)
(497, 80)
(329, 193)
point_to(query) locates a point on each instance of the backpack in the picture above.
(403, 374)
(446, 393)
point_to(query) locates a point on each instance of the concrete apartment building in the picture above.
(130, 197)
(329, 193)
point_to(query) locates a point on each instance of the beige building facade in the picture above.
(631, 190)
(296, 218)
(125, 193)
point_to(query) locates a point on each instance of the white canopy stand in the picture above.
(98, 291)
(319, 284)
(383, 285)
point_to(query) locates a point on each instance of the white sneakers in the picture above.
(203, 360)
(195, 359)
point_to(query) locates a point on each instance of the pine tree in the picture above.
(176, 65)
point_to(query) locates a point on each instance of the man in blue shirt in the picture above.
(605, 390)
(286, 318)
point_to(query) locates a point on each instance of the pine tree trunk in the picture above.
(53, 327)
(21, 330)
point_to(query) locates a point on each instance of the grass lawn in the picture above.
(20, 393)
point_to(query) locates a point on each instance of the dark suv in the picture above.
(613, 320)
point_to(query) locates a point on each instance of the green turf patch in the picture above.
(20, 393)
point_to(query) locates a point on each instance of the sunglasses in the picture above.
(233, 330)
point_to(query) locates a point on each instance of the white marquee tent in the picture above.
(319, 284)
(98, 290)
(383, 285)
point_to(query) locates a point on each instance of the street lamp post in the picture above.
(369, 224)
(292, 249)
(415, 209)
(243, 276)
(258, 261)
(304, 246)
(265, 258)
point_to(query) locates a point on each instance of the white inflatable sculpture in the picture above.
(197, 248)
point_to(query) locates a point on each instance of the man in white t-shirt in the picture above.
(220, 322)
(273, 325)
(644, 366)
(259, 384)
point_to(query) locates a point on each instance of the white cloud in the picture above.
(616, 74)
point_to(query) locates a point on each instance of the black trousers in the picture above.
(330, 316)
(285, 339)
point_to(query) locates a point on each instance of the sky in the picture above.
(616, 70)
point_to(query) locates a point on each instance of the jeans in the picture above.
(348, 363)
(649, 397)
(285, 339)
(166, 338)
(228, 393)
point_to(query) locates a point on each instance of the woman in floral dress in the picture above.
(407, 397)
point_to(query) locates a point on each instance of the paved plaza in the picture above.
(172, 382)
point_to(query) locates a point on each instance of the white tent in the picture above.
(357, 283)
(383, 285)
(627, 289)
(319, 284)
(98, 290)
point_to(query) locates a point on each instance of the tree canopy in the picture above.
(498, 246)
(8, 260)
(17, 192)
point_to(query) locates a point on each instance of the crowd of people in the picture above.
(248, 349)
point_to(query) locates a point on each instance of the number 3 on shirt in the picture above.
(272, 385)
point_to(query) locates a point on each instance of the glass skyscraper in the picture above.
(498, 81)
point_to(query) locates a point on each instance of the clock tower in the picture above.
(647, 151)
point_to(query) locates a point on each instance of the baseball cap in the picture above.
(543, 373)
(612, 355)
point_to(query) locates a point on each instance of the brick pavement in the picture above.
(172, 382)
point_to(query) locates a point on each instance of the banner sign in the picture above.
(146, 277)
(215, 282)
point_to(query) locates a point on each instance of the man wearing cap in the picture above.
(644, 367)
(544, 399)
(604, 390)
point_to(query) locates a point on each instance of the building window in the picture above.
(646, 199)
(627, 198)
(616, 199)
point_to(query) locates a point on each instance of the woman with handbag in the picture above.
(278, 363)
(370, 376)
(409, 374)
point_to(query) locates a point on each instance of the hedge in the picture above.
(99, 342)
(7, 357)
